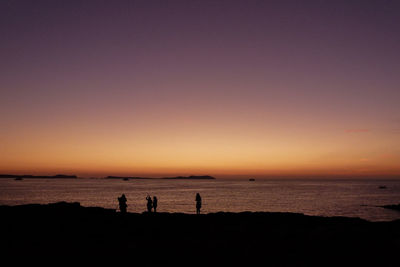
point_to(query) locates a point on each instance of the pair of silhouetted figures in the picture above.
(152, 204)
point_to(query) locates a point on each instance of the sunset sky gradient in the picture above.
(225, 88)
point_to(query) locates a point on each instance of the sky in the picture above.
(224, 88)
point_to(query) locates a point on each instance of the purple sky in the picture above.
(259, 87)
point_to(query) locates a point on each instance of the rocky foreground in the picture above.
(67, 232)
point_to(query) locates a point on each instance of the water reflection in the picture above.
(314, 197)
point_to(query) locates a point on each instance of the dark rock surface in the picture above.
(67, 232)
(392, 207)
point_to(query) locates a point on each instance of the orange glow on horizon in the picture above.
(221, 151)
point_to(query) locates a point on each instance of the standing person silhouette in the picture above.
(149, 203)
(122, 203)
(155, 204)
(198, 203)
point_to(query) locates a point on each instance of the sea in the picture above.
(350, 198)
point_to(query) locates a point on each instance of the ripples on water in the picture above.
(352, 198)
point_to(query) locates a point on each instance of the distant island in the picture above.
(204, 177)
(58, 176)
(127, 178)
(192, 177)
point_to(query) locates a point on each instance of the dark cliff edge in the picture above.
(70, 232)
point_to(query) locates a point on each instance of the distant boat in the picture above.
(252, 179)
(382, 187)
(18, 179)
(125, 179)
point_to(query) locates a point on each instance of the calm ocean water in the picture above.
(352, 198)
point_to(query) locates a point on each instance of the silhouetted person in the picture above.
(122, 203)
(149, 203)
(198, 203)
(155, 203)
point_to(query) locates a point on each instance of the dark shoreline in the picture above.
(391, 207)
(69, 230)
